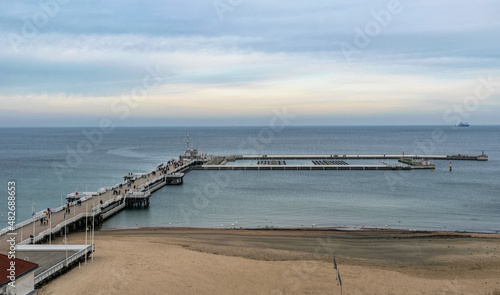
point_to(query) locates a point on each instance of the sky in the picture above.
(240, 62)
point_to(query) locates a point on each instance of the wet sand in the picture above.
(285, 261)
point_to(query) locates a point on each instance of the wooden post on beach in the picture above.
(338, 277)
(340, 281)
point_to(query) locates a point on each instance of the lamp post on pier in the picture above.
(33, 208)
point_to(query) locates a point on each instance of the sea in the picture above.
(49, 163)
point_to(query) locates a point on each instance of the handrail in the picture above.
(114, 210)
(42, 276)
(41, 235)
(95, 210)
(37, 216)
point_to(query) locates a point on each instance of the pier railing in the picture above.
(36, 217)
(61, 265)
(55, 229)
(114, 210)
(97, 209)
(94, 210)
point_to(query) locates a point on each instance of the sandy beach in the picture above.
(212, 261)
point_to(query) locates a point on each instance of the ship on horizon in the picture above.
(463, 124)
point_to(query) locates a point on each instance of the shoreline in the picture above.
(339, 228)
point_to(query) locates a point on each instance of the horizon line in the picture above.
(264, 125)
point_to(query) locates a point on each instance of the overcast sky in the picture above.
(232, 62)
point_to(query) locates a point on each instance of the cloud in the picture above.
(262, 55)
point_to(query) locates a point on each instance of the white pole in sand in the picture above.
(33, 208)
(50, 231)
(86, 228)
(65, 241)
(93, 231)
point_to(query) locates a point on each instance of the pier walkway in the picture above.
(302, 167)
(83, 212)
(53, 260)
(88, 209)
(138, 188)
(359, 156)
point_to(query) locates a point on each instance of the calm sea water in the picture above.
(466, 199)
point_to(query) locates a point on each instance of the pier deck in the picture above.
(53, 260)
(89, 208)
(301, 167)
(137, 188)
(356, 156)
(112, 203)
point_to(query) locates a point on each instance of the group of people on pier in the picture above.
(175, 164)
(45, 220)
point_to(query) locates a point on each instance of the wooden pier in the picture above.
(137, 199)
(96, 207)
(92, 208)
(356, 156)
(135, 191)
(53, 260)
(302, 167)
